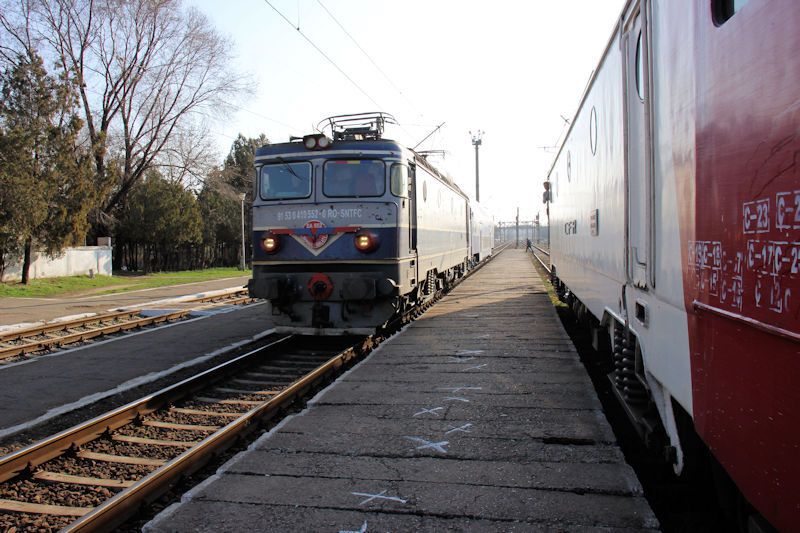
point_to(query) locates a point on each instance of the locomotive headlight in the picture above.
(366, 241)
(317, 141)
(270, 243)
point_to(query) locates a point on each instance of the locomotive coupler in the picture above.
(320, 315)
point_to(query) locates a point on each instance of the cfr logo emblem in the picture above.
(571, 227)
(315, 240)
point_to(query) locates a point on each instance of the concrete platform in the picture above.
(44, 387)
(478, 417)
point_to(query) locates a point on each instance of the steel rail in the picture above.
(64, 325)
(94, 319)
(11, 350)
(544, 266)
(545, 252)
(28, 458)
(79, 336)
(117, 509)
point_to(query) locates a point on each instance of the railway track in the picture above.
(95, 475)
(54, 335)
(537, 253)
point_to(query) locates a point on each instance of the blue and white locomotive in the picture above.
(354, 229)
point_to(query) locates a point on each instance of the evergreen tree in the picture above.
(163, 217)
(221, 225)
(238, 168)
(238, 174)
(45, 173)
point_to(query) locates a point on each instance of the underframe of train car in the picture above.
(629, 384)
(692, 460)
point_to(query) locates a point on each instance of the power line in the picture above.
(428, 135)
(331, 61)
(396, 88)
(293, 128)
(378, 68)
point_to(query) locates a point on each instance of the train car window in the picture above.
(639, 68)
(360, 178)
(399, 180)
(722, 10)
(286, 181)
(569, 165)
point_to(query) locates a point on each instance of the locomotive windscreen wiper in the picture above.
(288, 167)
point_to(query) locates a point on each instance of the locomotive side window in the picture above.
(722, 10)
(286, 181)
(639, 68)
(362, 178)
(399, 180)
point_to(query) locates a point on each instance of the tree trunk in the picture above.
(26, 261)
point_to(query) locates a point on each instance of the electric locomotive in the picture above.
(351, 230)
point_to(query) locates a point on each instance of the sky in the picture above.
(510, 68)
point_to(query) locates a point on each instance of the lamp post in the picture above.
(242, 196)
(476, 141)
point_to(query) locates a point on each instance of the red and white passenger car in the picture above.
(675, 225)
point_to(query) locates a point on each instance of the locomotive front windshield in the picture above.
(362, 178)
(286, 181)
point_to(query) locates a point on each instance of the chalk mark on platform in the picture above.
(469, 352)
(460, 359)
(425, 444)
(476, 367)
(432, 411)
(379, 496)
(460, 429)
(456, 399)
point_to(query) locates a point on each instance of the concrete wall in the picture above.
(73, 262)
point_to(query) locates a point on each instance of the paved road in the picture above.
(24, 310)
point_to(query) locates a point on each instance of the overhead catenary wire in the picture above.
(374, 64)
(428, 135)
(331, 61)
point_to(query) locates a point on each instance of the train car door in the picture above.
(637, 179)
(412, 213)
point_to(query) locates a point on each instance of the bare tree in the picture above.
(189, 157)
(148, 72)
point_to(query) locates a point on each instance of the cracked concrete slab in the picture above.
(560, 396)
(463, 447)
(552, 507)
(602, 478)
(362, 421)
(478, 417)
(238, 517)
